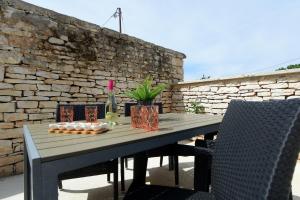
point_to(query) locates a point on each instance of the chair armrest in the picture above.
(187, 150)
(205, 143)
(179, 150)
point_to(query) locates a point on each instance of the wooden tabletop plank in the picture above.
(38, 130)
(112, 135)
(51, 145)
(116, 132)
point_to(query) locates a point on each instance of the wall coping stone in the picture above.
(30, 8)
(245, 76)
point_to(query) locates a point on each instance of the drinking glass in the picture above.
(91, 113)
(66, 113)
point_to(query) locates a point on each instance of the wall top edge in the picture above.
(30, 8)
(243, 76)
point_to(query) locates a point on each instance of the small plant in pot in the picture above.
(145, 93)
(145, 115)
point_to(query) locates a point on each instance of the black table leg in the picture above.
(122, 174)
(139, 173)
(116, 183)
(176, 170)
(27, 175)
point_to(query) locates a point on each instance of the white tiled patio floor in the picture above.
(96, 187)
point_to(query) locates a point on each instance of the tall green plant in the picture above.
(145, 91)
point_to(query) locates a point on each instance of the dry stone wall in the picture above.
(215, 94)
(48, 58)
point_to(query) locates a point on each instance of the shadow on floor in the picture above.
(11, 186)
(96, 187)
(105, 193)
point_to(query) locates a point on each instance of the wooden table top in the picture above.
(50, 145)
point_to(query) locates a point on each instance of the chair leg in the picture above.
(202, 174)
(116, 182)
(171, 163)
(291, 194)
(176, 170)
(126, 163)
(108, 177)
(122, 175)
(161, 161)
(60, 184)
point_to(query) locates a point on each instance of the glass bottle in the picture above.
(111, 114)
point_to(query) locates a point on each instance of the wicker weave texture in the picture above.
(256, 150)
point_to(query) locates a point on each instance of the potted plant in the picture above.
(145, 114)
(196, 108)
(145, 93)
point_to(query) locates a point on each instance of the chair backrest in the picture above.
(256, 150)
(129, 104)
(79, 111)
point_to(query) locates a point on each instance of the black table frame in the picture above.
(40, 178)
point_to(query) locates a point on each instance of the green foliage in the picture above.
(196, 108)
(145, 91)
(289, 67)
(293, 66)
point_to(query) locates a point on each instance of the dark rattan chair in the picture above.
(254, 158)
(98, 169)
(173, 160)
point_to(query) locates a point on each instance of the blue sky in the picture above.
(219, 38)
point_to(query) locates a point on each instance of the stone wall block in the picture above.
(6, 86)
(84, 84)
(11, 117)
(276, 86)
(7, 107)
(25, 87)
(228, 90)
(43, 87)
(22, 81)
(295, 85)
(47, 94)
(27, 104)
(61, 88)
(19, 168)
(264, 94)
(15, 76)
(282, 92)
(60, 82)
(249, 87)
(293, 97)
(220, 105)
(32, 98)
(6, 170)
(57, 41)
(266, 82)
(47, 74)
(7, 160)
(20, 70)
(10, 57)
(47, 104)
(253, 98)
(41, 116)
(10, 93)
(94, 91)
(2, 71)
